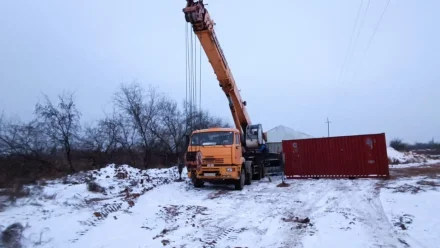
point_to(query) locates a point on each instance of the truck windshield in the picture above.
(212, 138)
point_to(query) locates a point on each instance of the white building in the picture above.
(277, 134)
(281, 133)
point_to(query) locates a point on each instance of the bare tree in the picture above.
(102, 138)
(61, 122)
(26, 140)
(2, 133)
(127, 136)
(171, 127)
(199, 119)
(143, 109)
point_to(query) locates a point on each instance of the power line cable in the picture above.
(351, 41)
(360, 28)
(372, 36)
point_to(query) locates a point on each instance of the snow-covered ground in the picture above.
(151, 209)
(408, 159)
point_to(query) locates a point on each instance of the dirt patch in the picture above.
(95, 187)
(430, 171)
(165, 242)
(296, 219)
(165, 231)
(403, 242)
(171, 211)
(217, 194)
(403, 221)
(301, 222)
(428, 183)
(283, 185)
(406, 188)
(95, 199)
(197, 209)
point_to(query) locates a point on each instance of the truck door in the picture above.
(237, 149)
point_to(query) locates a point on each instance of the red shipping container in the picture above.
(336, 157)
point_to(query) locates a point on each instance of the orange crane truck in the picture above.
(223, 155)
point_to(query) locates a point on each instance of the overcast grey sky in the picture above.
(286, 57)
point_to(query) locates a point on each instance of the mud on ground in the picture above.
(430, 171)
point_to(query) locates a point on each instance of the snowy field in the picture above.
(138, 208)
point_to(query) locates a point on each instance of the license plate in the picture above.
(209, 174)
(210, 165)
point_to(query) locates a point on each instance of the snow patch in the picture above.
(408, 159)
(63, 210)
(129, 212)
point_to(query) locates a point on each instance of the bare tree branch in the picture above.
(61, 122)
(143, 109)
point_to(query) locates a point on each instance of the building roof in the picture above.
(280, 133)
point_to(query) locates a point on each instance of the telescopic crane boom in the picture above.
(203, 27)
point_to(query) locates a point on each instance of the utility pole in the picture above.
(328, 127)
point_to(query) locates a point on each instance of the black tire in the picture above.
(198, 183)
(239, 184)
(248, 180)
(259, 175)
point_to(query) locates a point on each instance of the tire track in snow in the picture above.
(235, 225)
(301, 203)
(308, 208)
(372, 215)
(98, 218)
(230, 226)
(403, 236)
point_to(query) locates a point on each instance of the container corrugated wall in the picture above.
(336, 157)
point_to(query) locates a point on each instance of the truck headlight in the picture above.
(229, 169)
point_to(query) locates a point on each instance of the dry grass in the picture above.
(15, 192)
(428, 183)
(430, 171)
(406, 188)
(11, 236)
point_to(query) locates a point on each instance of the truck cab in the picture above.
(215, 155)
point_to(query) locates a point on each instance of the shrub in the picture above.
(17, 191)
(399, 145)
(11, 236)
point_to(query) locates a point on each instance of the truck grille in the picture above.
(212, 160)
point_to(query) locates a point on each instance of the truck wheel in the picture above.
(248, 180)
(239, 184)
(259, 175)
(198, 183)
